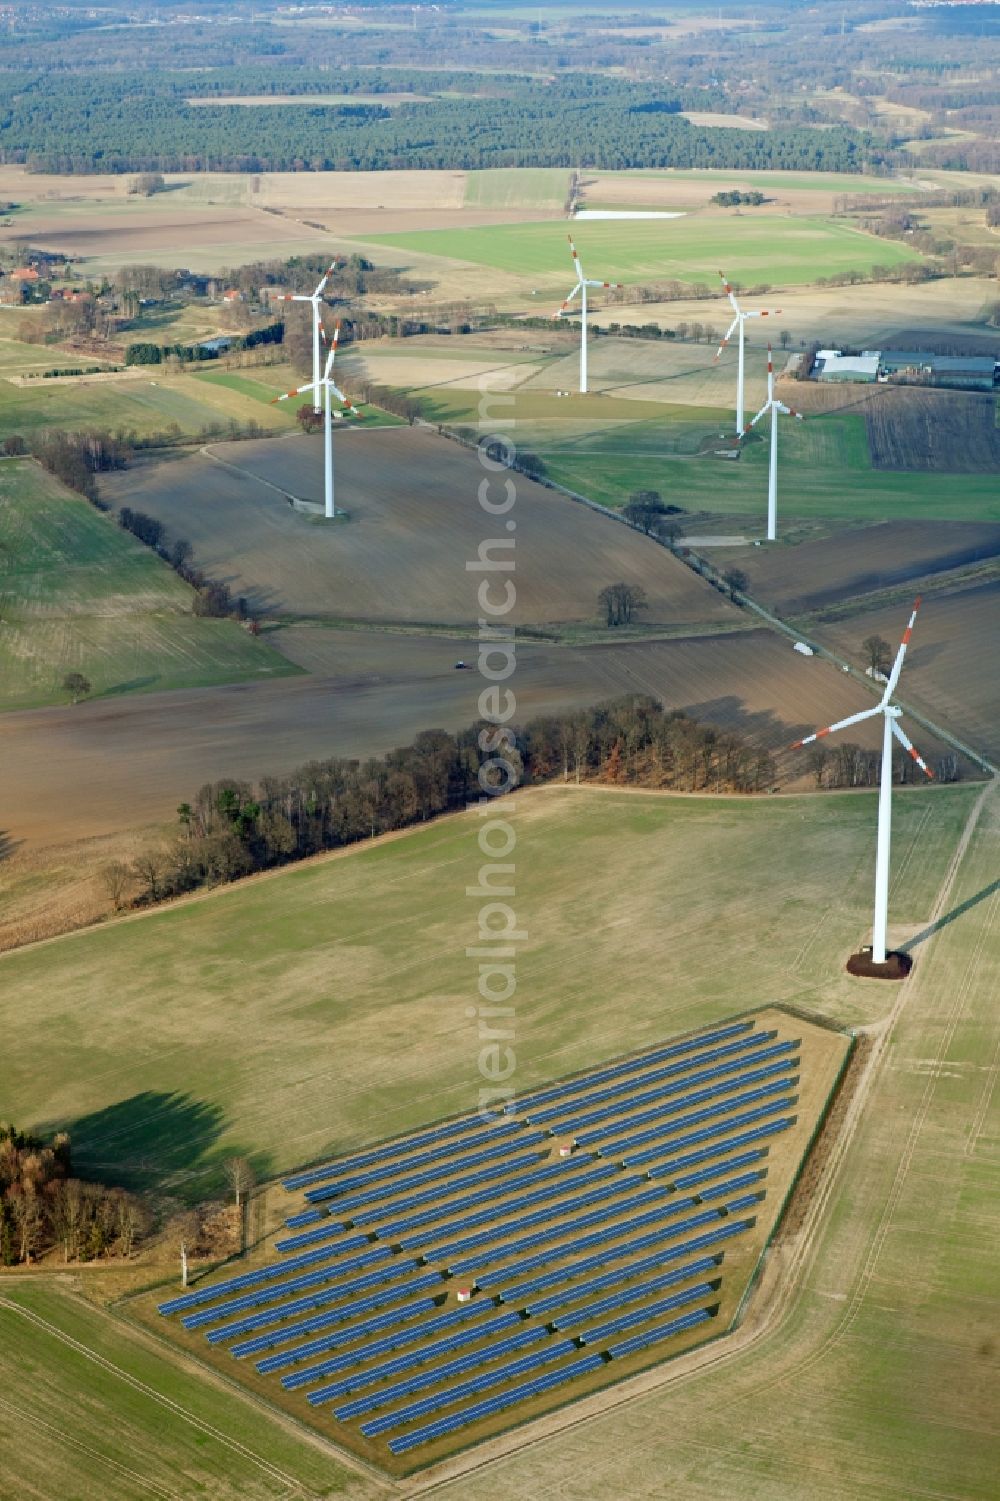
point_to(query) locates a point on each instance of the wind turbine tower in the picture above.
(737, 325)
(775, 408)
(582, 283)
(880, 963)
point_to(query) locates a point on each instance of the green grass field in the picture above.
(91, 1410)
(77, 594)
(793, 182)
(778, 251)
(517, 187)
(327, 1006)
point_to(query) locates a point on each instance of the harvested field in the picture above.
(952, 668)
(139, 757)
(950, 431)
(652, 1231)
(414, 520)
(859, 560)
(796, 192)
(869, 314)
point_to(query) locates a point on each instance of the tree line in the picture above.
(232, 829)
(43, 1207)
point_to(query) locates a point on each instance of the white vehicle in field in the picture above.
(803, 649)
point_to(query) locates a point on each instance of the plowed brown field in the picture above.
(414, 521)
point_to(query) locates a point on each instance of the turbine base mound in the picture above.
(896, 966)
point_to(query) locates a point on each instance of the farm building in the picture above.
(974, 373)
(832, 365)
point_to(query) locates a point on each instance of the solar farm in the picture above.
(432, 1291)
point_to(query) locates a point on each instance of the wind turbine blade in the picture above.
(325, 278)
(788, 411)
(763, 313)
(729, 334)
(577, 263)
(730, 294)
(910, 749)
(897, 666)
(841, 724)
(756, 419)
(770, 378)
(568, 300)
(299, 391)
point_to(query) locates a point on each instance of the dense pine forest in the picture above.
(135, 122)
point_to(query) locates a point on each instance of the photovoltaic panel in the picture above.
(665, 1331)
(433, 1174)
(554, 1350)
(735, 1056)
(706, 1174)
(316, 1237)
(375, 1212)
(251, 1279)
(347, 1335)
(621, 1299)
(306, 1217)
(515, 1295)
(731, 1185)
(355, 1381)
(390, 1271)
(286, 1332)
(674, 1125)
(529, 1102)
(457, 1367)
(734, 1123)
(773, 1128)
(615, 1121)
(497, 1403)
(274, 1292)
(546, 1194)
(601, 1332)
(440, 1155)
(565, 1299)
(556, 1172)
(468, 1126)
(463, 1314)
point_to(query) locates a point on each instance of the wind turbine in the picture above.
(737, 323)
(328, 388)
(774, 406)
(582, 283)
(890, 714)
(319, 337)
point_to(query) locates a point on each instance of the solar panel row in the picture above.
(601, 1332)
(514, 1295)
(563, 1321)
(706, 1174)
(466, 1335)
(773, 1128)
(577, 1125)
(599, 1237)
(731, 1185)
(548, 1192)
(672, 1126)
(316, 1237)
(554, 1350)
(555, 1171)
(464, 1315)
(468, 1125)
(665, 1331)
(552, 1304)
(733, 1123)
(345, 1336)
(376, 1213)
(433, 1174)
(249, 1279)
(390, 1271)
(327, 1320)
(497, 1403)
(305, 1217)
(275, 1291)
(440, 1154)
(527, 1103)
(736, 1056)
(457, 1367)
(623, 1187)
